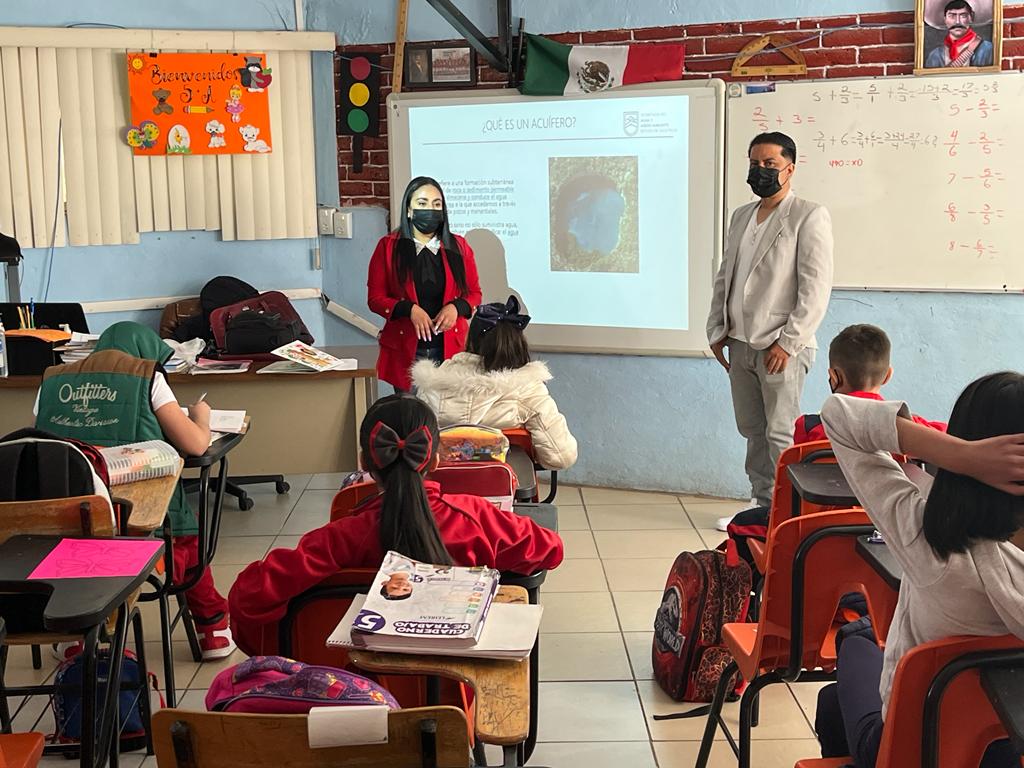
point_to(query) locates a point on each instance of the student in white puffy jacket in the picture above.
(494, 383)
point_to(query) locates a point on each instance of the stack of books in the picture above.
(442, 610)
(78, 347)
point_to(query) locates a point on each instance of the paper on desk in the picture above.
(92, 558)
(232, 422)
(347, 726)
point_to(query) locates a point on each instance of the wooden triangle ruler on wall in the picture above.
(782, 45)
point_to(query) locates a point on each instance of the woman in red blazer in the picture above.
(423, 282)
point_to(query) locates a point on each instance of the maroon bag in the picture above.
(273, 306)
(705, 590)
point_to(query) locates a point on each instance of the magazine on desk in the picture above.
(414, 602)
(140, 461)
(313, 358)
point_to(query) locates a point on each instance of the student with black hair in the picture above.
(960, 546)
(423, 281)
(399, 442)
(495, 383)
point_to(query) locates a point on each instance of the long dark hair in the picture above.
(503, 347)
(961, 510)
(407, 523)
(407, 248)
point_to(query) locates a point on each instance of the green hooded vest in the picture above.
(105, 400)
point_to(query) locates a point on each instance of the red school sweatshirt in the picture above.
(473, 530)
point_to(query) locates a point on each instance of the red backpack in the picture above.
(704, 591)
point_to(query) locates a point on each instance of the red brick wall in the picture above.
(883, 45)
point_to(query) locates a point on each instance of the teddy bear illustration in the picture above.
(162, 107)
(216, 130)
(252, 143)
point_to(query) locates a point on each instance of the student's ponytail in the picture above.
(399, 440)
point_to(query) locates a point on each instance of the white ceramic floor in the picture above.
(596, 689)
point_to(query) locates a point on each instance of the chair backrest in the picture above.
(494, 480)
(176, 313)
(222, 740)
(35, 465)
(521, 438)
(347, 499)
(812, 563)
(967, 723)
(782, 495)
(73, 516)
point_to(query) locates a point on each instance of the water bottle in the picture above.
(3, 352)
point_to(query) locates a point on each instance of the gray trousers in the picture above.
(766, 406)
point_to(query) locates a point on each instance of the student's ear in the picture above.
(835, 378)
(888, 376)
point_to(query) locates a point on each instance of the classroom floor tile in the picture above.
(765, 754)
(578, 544)
(638, 517)
(620, 754)
(233, 550)
(576, 576)
(585, 711)
(573, 519)
(638, 646)
(568, 495)
(636, 609)
(706, 515)
(599, 496)
(647, 544)
(327, 481)
(636, 575)
(578, 612)
(584, 656)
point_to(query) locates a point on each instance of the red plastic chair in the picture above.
(812, 563)
(347, 499)
(939, 716)
(20, 750)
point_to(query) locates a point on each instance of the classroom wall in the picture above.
(665, 423)
(172, 263)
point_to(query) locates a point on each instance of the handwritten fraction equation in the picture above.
(979, 247)
(983, 141)
(982, 109)
(986, 178)
(762, 120)
(864, 139)
(984, 214)
(902, 93)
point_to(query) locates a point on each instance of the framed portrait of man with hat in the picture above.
(959, 36)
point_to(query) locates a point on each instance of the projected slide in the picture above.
(587, 197)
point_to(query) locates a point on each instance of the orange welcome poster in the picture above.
(199, 103)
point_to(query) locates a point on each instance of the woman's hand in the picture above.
(422, 323)
(446, 318)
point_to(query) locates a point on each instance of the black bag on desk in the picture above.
(252, 332)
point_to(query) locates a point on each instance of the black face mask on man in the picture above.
(764, 182)
(427, 220)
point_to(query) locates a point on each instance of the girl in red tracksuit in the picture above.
(399, 441)
(423, 281)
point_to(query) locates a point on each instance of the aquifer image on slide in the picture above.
(594, 214)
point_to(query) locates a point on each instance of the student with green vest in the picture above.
(118, 395)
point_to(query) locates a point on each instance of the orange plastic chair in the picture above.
(939, 716)
(520, 438)
(347, 499)
(812, 563)
(782, 495)
(20, 750)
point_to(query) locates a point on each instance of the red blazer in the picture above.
(398, 338)
(474, 531)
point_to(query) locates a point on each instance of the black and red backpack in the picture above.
(704, 591)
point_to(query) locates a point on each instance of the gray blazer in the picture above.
(790, 280)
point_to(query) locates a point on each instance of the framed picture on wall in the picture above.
(958, 36)
(439, 66)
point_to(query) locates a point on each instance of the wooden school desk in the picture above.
(501, 687)
(303, 423)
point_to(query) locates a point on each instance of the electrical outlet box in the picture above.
(343, 224)
(325, 219)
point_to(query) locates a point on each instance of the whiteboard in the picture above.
(918, 173)
(626, 323)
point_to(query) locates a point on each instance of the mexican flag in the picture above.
(553, 69)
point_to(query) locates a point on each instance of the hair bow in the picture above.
(386, 447)
(489, 315)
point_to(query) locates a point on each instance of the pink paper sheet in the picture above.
(91, 558)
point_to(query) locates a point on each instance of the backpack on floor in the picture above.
(280, 686)
(67, 703)
(704, 591)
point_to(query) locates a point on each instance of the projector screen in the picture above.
(602, 212)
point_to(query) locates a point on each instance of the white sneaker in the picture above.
(65, 651)
(723, 522)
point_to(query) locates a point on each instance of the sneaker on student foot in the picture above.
(215, 639)
(66, 651)
(723, 522)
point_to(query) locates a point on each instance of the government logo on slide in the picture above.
(630, 123)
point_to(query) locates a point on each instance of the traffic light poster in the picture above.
(199, 103)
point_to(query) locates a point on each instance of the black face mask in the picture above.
(427, 220)
(832, 387)
(764, 182)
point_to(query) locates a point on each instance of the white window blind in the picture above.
(66, 96)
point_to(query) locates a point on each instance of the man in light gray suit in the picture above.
(770, 296)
